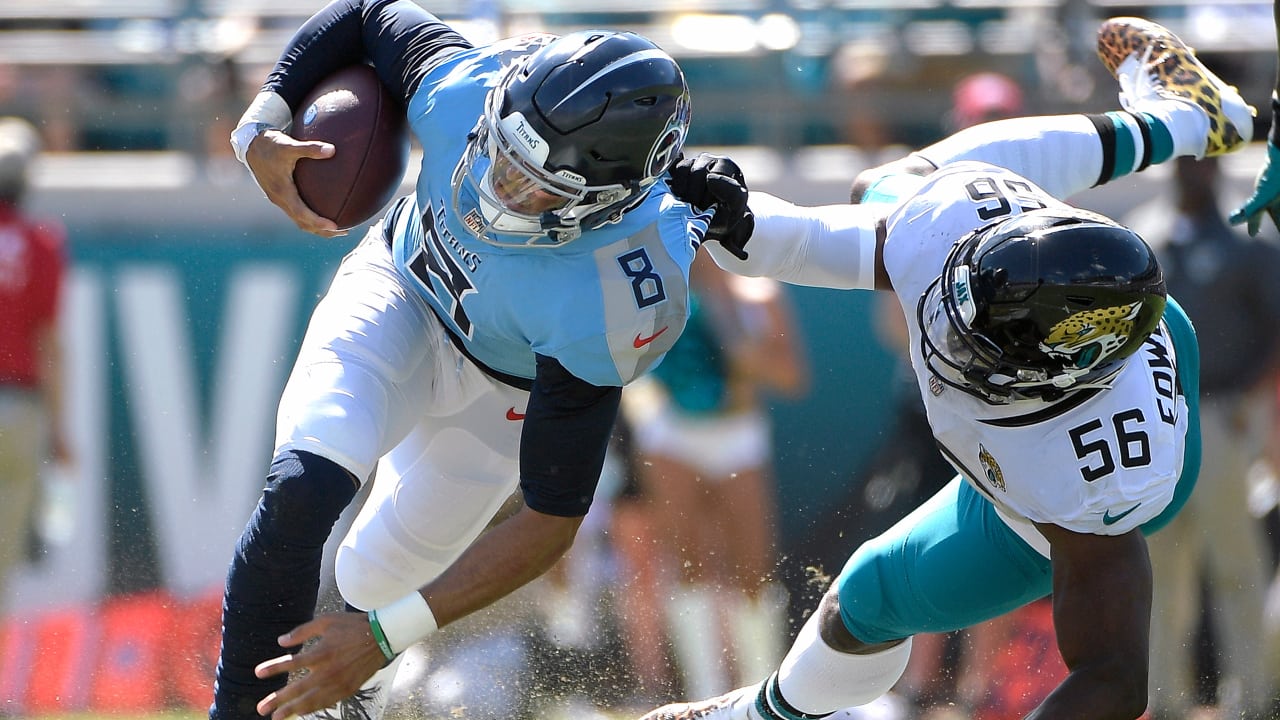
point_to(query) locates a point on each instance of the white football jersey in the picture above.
(1097, 461)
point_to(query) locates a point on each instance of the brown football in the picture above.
(367, 126)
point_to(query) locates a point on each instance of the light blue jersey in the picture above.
(607, 305)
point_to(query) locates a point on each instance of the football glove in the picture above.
(1266, 194)
(714, 181)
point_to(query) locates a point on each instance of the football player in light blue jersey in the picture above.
(475, 342)
(1059, 380)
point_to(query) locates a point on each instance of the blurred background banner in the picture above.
(178, 342)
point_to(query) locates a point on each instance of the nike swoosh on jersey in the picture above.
(1109, 519)
(514, 416)
(640, 342)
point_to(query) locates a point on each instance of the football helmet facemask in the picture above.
(1040, 304)
(572, 136)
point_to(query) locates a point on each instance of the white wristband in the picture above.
(268, 111)
(244, 135)
(406, 621)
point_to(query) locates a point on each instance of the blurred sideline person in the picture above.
(705, 446)
(1059, 380)
(643, 579)
(32, 272)
(474, 342)
(1226, 281)
(1266, 199)
(985, 97)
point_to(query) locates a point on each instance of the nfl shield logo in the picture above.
(935, 386)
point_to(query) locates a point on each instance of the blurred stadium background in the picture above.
(189, 291)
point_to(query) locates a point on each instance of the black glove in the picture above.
(714, 181)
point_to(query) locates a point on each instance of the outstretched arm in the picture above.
(566, 433)
(1266, 190)
(833, 246)
(345, 652)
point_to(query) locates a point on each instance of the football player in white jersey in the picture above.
(474, 343)
(1059, 379)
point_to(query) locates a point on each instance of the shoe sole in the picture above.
(688, 711)
(1178, 73)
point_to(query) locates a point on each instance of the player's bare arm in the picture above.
(505, 558)
(271, 158)
(1102, 614)
(344, 653)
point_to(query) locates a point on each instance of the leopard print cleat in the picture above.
(1149, 61)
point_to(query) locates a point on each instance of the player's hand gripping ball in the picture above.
(356, 113)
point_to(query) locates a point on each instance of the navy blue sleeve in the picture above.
(400, 39)
(566, 433)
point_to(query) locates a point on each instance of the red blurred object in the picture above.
(983, 97)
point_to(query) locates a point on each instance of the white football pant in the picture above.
(378, 383)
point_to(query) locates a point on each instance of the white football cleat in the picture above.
(734, 705)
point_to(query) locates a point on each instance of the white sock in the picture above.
(817, 680)
(1187, 123)
(1060, 153)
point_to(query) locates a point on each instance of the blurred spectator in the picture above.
(705, 444)
(215, 94)
(983, 97)
(32, 264)
(861, 70)
(1226, 283)
(1266, 190)
(635, 537)
(50, 93)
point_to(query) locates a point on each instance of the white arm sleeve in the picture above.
(1060, 153)
(832, 246)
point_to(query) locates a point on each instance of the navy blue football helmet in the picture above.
(572, 136)
(1039, 304)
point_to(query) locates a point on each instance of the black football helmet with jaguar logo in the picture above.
(1039, 304)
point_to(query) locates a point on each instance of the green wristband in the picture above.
(380, 637)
